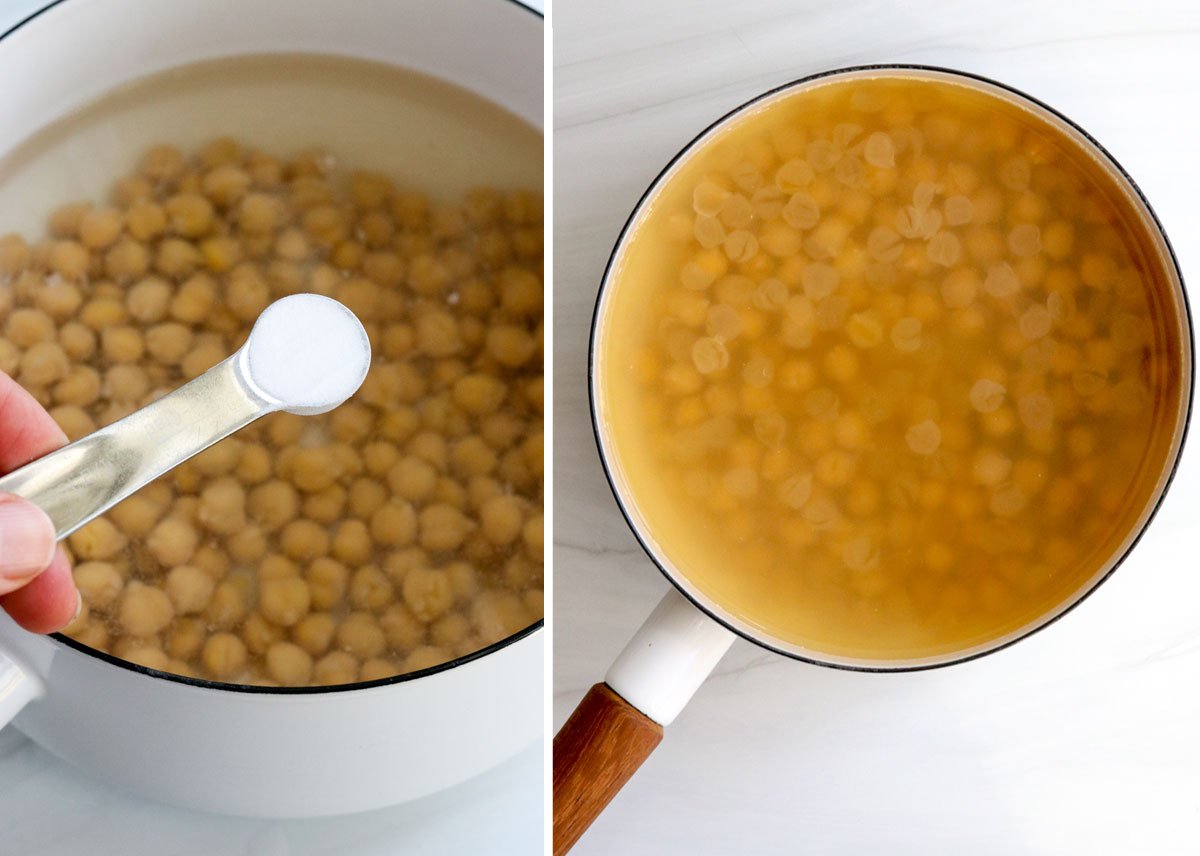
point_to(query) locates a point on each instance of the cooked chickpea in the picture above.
(224, 656)
(336, 667)
(227, 606)
(172, 541)
(100, 583)
(189, 589)
(122, 344)
(284, 601)
(327, 580)
(361, 636)
(223, 506)
(427, 592)
(289, 664)
(273, 504)
(43, 364)
(314, 633)
(144, 610)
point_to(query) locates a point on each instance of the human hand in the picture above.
(36, 586)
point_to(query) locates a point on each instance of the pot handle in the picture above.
(18, 688)
(619, 722)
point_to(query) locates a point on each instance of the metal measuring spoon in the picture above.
(306, 354)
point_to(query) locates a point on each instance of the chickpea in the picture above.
(79, 387)
(314, 470)
(223, 505)
(122, 344)
(314, 633)
(254, 466)
(394, 524)
(427, 593)
(437, 334)
(145, 220)
(224, 656)
(59, 300)
(258, 214)
(501, 518)
(125, 260)
(195, 299)
(412, 478)
(425, 657)
(228, 605)
(189, 215)
(189, 588)
(284, 601)
(172, 541)
(100, 227)
(442, 527)
(360, 635)
(336, 667)
(351, 542)
(273, 504)
(69, 259)
(326, 506)
(401, 629)
(370, 589)
(137, 515)
(304, 539)
(29, 327)
(289, 664)
(259, 634)
(168, 343)
(248, 544)
(144, 610)
(175, 258)
(43, 364)
(365, 497)
(126, 383)
(450, 630)
(74, 421)
(212, 561)
(100, 583)
(479, 394)
(77, 340)
(498, 614)
(327, 580)
(185, 638)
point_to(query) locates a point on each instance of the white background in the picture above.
(1084, 739)
(48, 808)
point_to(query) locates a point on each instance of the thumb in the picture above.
(26, 542)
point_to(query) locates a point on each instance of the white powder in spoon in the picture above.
(308, 352)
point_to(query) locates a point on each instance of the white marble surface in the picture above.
(48, 808)
(1081, 740)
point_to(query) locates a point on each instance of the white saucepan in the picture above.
(263, 751)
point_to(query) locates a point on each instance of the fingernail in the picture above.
(78, 608)
(26, 539)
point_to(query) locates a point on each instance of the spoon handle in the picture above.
(81, 481)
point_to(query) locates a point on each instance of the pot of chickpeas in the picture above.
(320, 614)
(891, 367)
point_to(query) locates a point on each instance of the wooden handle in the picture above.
(596, 751)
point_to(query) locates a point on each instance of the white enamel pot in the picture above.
(247, 750)
(620, 721)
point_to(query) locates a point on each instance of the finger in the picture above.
(27, 431)
(47, 604)
(27, 542)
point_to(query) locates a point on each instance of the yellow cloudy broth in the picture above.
(889, 367)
